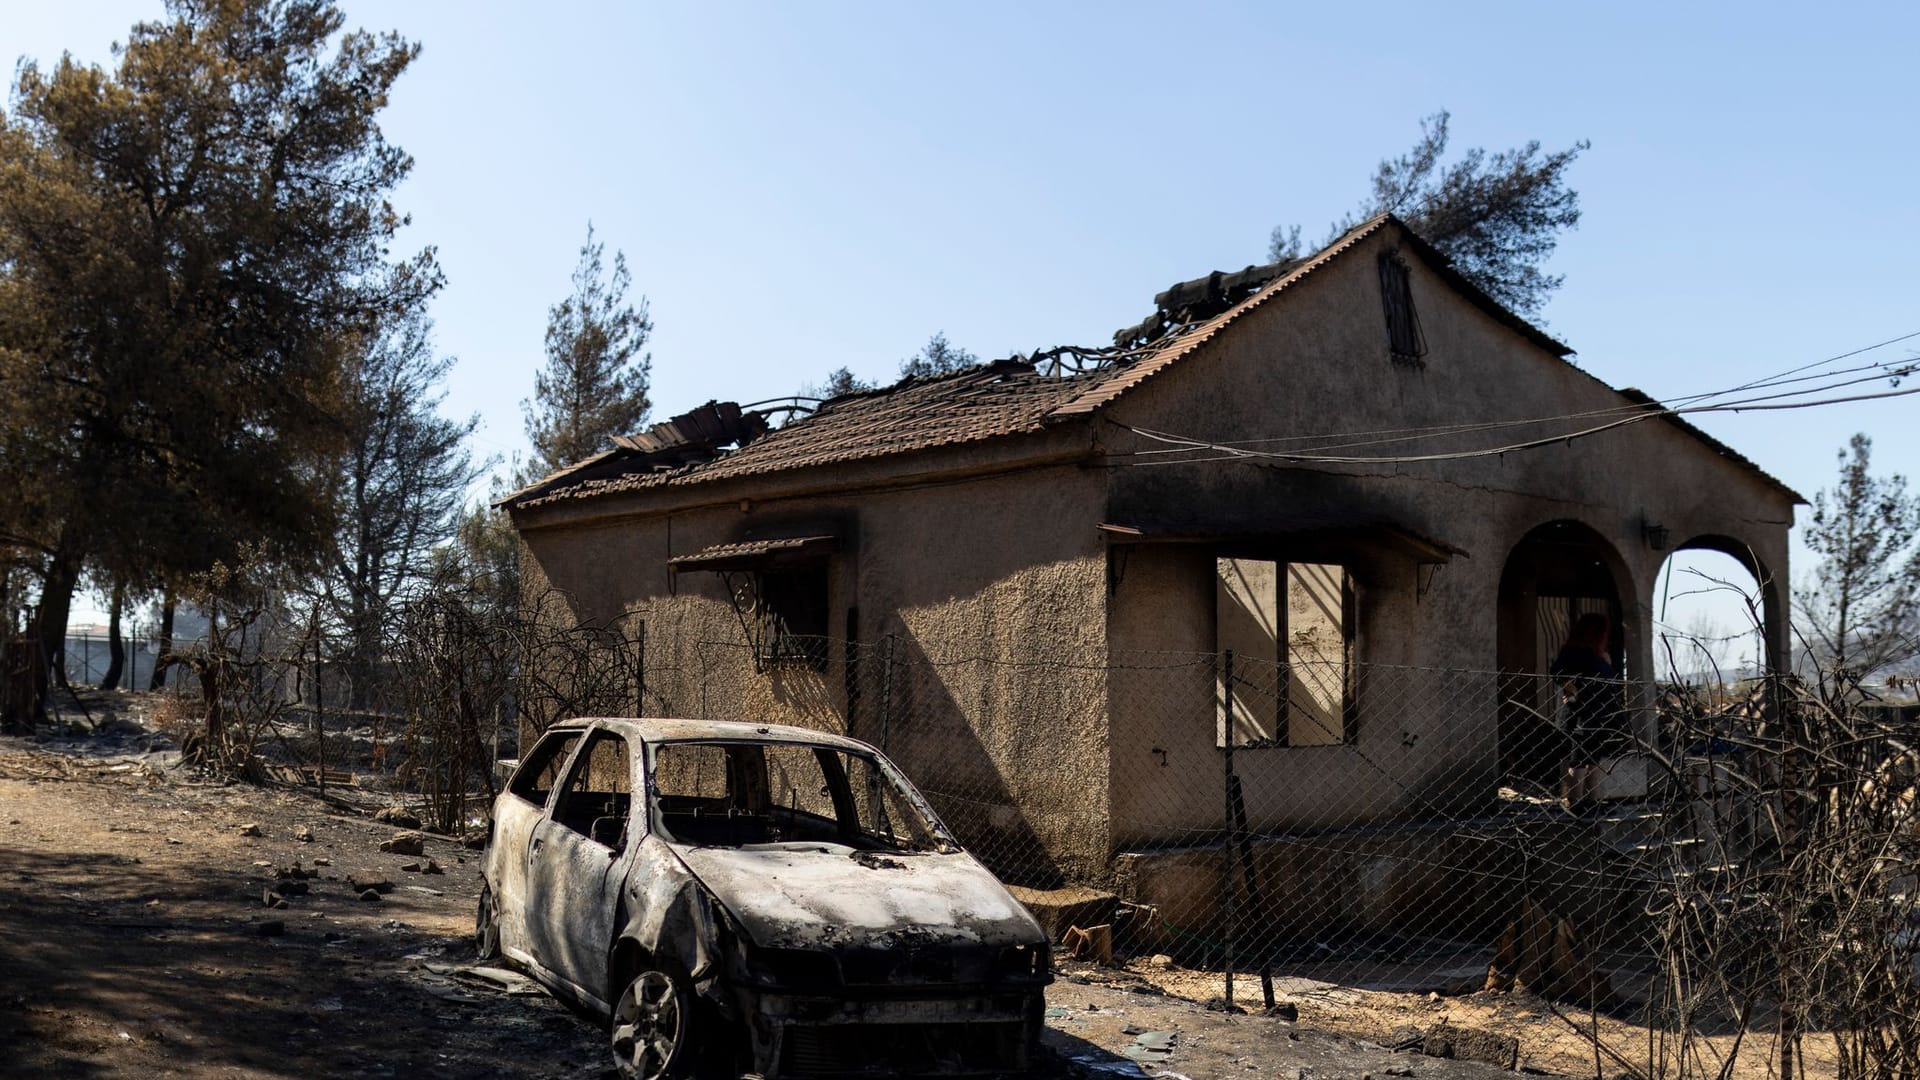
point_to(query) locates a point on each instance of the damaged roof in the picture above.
(984, 402)
(1286, 276)
(995, 400)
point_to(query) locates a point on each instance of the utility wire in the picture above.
(1326, 440)
(1228, 452)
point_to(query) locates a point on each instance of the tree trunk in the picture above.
(116, 645)
(23, 684)
(163, 656)
(208, 667)
(50, 616)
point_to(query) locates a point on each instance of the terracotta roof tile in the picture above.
(985, 402)
(752, 552)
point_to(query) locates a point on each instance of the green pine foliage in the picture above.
(593, 384)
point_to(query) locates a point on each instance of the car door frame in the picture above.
(515, 818)
(572, 918)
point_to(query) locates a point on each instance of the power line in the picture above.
(1619, 416)
(1230, 452)
(1326, 441)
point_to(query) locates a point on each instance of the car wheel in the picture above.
(653, 1025)
(486, 927)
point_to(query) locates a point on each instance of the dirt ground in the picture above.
(1553, 1039)
(131, 939)
(134, 941)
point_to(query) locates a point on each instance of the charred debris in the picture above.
(713, 430)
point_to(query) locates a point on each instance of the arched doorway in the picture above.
(1556, 573)
(1717, 614)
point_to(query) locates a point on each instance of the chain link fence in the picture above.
(1716, 879)
(1692, 880)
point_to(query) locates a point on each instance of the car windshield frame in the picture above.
(742, 828)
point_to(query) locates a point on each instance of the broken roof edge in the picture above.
(551, 480)
(601, 477)
(1042, 448)
(1183, 345)
(724, 423)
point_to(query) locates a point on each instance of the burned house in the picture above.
(1346, 470)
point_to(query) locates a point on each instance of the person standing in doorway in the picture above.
(1588, 679)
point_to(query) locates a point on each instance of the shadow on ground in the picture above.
(116, 964)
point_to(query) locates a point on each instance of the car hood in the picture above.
(800, 895)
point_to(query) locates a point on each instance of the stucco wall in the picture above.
(1056, 694)
(959, 588)
(1313, 361)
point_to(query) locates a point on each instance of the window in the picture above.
(1405, 342)
(736, 794)
(598, 798)
(1290, 628)
(885, 815)
(692, 774)
(541, 770)
(796, 783)
(793, 612)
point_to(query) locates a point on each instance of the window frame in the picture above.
(1406, 341)
(832, 761)
(783, 644)
(1283, 663)
(567, 738)
(582, 759)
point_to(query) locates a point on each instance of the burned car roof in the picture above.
(667, 729)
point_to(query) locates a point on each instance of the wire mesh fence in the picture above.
(1730, 866)
(1708, 880)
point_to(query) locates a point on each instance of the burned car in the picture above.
(774, 900)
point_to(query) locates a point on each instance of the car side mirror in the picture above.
(608, 831)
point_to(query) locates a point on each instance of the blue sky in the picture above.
(803, 186)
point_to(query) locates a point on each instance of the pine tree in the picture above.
(1860, 610)
(593, 385)
(186, 241)
(839, 382)
(937, 357)
(1497, 217)
(398, 487)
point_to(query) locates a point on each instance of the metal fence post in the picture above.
(1226, 850)
(319, 704)
(886, 691)
(639, 669)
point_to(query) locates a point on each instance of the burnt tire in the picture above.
(486, 927)
(652, 1032)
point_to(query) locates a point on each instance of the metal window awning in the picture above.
(757, 554)
(1320, 540)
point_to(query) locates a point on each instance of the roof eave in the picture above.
(1053, 445)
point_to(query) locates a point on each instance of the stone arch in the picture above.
(1774, 611)
(1556, 572)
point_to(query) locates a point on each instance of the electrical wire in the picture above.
(1616, 417)
(1229, 452)
(1385, 436)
